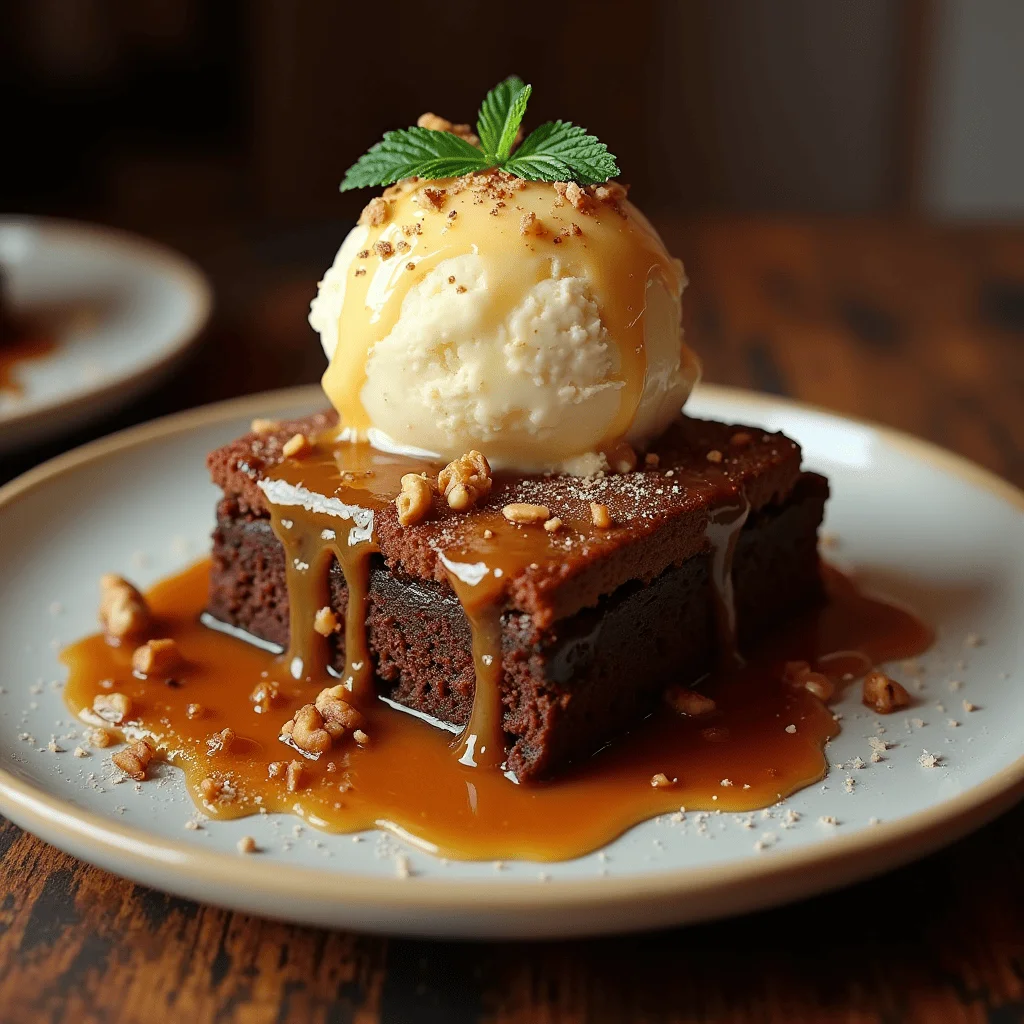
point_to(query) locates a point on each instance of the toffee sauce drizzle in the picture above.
(322, 509)
(448, 797)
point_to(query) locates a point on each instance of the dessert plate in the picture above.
(912, 521)
(119, 310)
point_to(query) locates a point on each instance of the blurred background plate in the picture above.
(112, 312)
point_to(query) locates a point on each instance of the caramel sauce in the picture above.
(406, 780)
(614, 248)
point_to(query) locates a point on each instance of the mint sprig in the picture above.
(556, 151)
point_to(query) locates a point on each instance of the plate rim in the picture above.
(234, 879)
(171, 263)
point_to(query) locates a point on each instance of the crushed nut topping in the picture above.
(799, 674)
(247, 845)
(578, 197)
(123, 610)
(338, 715)
(220, 742)
(553, 525)
(524, 514)
(432, 197)
(306, 731)
(134, 760)
(531, 225)
(884, 695)
(361, 738)
(156, 657)
(294, 776)
(661, 781)
(465, 480)
(689, 702)
(211, 789)
(296, 446)
(193, 711)
(99, 737)
(261, 426)
(376, 212)
(714, 455)
(600, 516)
(325, 622)
(416, 500)
(112, 707)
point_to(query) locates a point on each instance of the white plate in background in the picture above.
(923, 526)
(122, 310)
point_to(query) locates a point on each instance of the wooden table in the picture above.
(913, 326)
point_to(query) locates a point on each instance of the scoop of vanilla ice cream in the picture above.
(520, 365)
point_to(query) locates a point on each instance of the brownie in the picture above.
(589, 638)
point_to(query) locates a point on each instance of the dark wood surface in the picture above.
(918, 327)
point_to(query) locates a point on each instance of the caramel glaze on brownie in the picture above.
(660, 515)
(573, 620)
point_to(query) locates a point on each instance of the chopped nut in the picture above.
(296, 446)
(247, 845)
(883, 694)
(276, 769)
(220, 742)
(261, 426)
(416, 500)
(193, 711)
(524, 514)
(81, 752)
(660, 781)
(969, 707)
(531, 224)
(338, 714)
(714, 455)
(376, 212)
(432, 197)
(465, 480)
(293, 775)
(553, 525)
(123, 610)
(600, 516)
(134, 760)
(306, 730)
(689, 702)
(799, 674)
(361, 738)
(156, 657)
(652, 460)
(325, 622)
(385, 250)
(211, 789)
(112, 707)
(578, 197)
(99, 737)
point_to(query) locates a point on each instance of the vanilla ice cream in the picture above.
(537, 323)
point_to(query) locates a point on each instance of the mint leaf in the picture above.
(414, 151)
(490, 122)
(556, 151)
(562, 151)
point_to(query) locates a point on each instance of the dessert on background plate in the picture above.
(504, 598)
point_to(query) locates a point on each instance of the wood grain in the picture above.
(915, 326)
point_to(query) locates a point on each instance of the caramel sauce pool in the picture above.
(406, 780)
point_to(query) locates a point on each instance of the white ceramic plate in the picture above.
(924, 526)
(122, 310)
